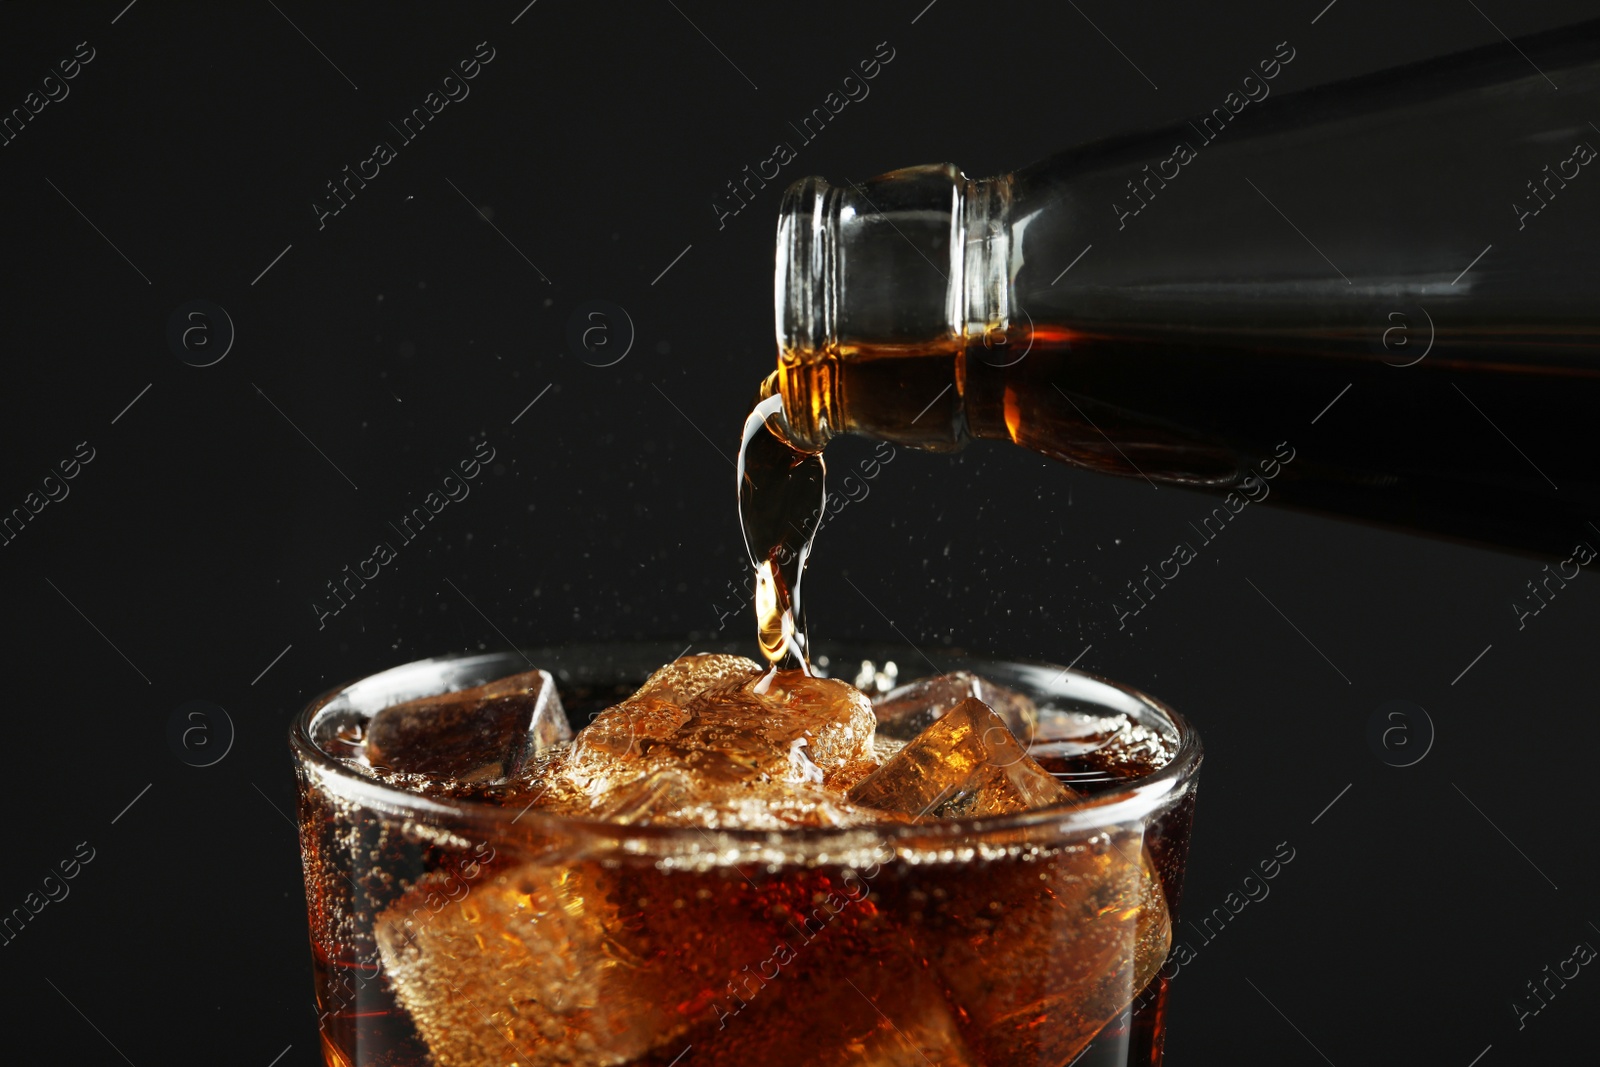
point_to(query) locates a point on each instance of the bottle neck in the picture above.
(880, 289)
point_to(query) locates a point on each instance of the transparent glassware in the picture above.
(691, 919)
(1391, 281)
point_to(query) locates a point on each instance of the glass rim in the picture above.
(1141, 799)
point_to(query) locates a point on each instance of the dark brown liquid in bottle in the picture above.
(1470, 434)
(781, 498)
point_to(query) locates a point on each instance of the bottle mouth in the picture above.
(805, 304)
(918, 257)
(911, 263)
(806, 266)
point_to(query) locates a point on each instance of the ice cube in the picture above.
(905, 712)
(671, 798)
(1038, 952)
(626, 731)
(688, 676)
(523, 969)
(788, 726)
(966, 764)
(714, 743)
(480, 735)
(1086, 750)
(583, 965)
(645, 800)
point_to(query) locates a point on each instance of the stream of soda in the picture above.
(781, 496)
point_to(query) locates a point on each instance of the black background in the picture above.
(406, 331)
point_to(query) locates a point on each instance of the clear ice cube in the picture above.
(905, 712)
(670, 797)
(482, 735)
(626, 730)
(967, 763)
(1085, 749)
(524, 969)
(710, 741)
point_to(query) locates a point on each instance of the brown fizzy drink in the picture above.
(712, 873)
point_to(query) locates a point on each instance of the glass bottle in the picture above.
(1378, 299)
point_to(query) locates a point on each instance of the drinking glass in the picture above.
(455, 932)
